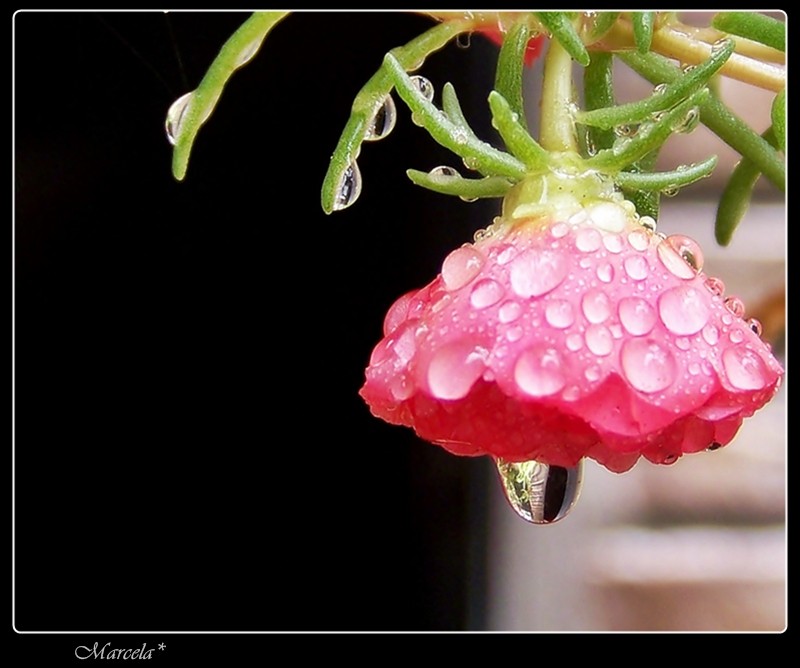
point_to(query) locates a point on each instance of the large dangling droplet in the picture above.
(540, 493)
(175, 114)
(349, 187)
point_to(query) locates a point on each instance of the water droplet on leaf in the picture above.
(540, 493)
(424, 86)
(175, 116)
(383, 122)
(349, 187)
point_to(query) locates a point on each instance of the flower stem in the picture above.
(557, 130)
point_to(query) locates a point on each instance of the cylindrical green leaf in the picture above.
(510, 65)
(559, 25)
(758, 27)
(779, 120)
(643, 29)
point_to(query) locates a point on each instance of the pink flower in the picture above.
(582, 335)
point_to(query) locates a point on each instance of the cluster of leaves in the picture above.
(622, 141)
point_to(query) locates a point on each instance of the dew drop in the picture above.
(670, 191)
(648, 223)
(505, 254)
(682, 343)
(736, 336)
(755, 326)
(246, 54)
(454, 368)
(715, 286)
(683, 310)
(443, 172)
(636, 267)
(689, 121)
(349, 187)
(636, 315)
(514, 334)
(625, 130)
(588, 240)
(559, 314)
(694, 369)
(719, 45)
(463, 40)
(540, 493)
(688, 249)
(605, 272)
(648, 366)
(596, 306)
(559, 230)
(509, 311)
(638, 240)
(574, 342)
(592, 373)
(485, 293)
(599, 340)
(670, 459)
(175, 116)
(660, 89)
(424, 86)
(382, 123)
(401, 388)
(613, 243)
(672, 260)
(735, 306)
(714, 446)
(538, 373)
(745, 369)
(461, 266)
(536, 272)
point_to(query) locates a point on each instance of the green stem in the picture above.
(557, 130)
(240, 47)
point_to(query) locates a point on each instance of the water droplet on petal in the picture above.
(683, 310)
(599, 340)
(648, 366)
(505, 254)
(636, 267)
(605, 272)
(592, 373)
(454, 369)
(613, 243)
(745, 369)
(648, 223)
(638, 240)
(735, 306)
(559, 314)
(596, 306)
(485, 293)
(736, 336)
(670, 459)
(715, 286)
(401, 388)
(711, 334)
(688, 249)
(461, 266)
(588, 240)
(536, 272)
(383, 122)
(540, 493)
(559, 230)
(636, 315)
(673, 261)
(509, 312)
(755, 326)
(175, 116)
(538, 372)
(714, 446)
(349, 187)
(574, 342)
(514, 334)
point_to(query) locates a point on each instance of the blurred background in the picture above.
(190, 449)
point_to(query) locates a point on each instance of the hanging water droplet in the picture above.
(686, 69)
(540, 493)
(471, 163)
(735, 305)
(689, 121)
(670, 191)
(175, 116)
(670, 459)
(349, 187)
(687, 249)
(443, 172)
(423, 85)
(715, 285)
(755, 326)
(463, 40)
(383, 121)
(714, 446)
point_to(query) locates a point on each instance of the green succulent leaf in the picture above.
(661, 181)
(758, 27)
(779, 120)
(560, 26)
(468, 189)
(643, 29)
(510, 66)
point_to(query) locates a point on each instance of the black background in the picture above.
(190, 449)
